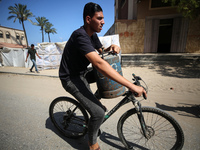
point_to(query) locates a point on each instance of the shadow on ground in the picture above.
(81, 143)
(112, 141)
(181, 68)
(188, 110)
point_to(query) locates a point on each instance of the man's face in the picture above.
(97, 22)
(32, 47)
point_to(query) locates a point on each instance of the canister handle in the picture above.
(108, 52)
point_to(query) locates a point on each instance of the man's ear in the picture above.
(88, 19)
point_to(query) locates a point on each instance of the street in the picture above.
(25, 100)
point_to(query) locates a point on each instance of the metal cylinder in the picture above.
(107, 87)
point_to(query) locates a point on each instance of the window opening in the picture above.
(161, 3)
(17, 36)
(7, 35)
(122, 3)
(22, 37)
(1, 34)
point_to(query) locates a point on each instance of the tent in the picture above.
(13, 57)
(50, 53)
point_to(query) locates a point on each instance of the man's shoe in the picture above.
(31, 70)
(37, 71)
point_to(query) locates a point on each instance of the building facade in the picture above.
(151, 26)
(12, 36)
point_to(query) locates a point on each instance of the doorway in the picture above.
(165, 35)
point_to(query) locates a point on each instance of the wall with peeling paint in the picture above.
(193, 38)
(133, 33)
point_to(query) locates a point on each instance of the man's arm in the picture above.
(38, 55)
(27, 56)
(103, 67)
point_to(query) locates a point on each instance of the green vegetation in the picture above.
(21, 13)
(188, 8)
(41, 21)
(49, 30)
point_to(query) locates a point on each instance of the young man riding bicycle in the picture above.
(78, 53)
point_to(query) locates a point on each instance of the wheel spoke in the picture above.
(69, 117)
(160, 129)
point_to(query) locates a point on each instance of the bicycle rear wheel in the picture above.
(69, 117)
(163, 130)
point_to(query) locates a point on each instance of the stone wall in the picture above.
(193, 38)
(131, 35)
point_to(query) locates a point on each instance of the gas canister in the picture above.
(107, 87)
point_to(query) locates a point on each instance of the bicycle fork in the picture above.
(143, 125)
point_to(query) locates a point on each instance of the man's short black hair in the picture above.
(32, 45)
(90, 9)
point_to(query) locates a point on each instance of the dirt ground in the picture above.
(25, 99)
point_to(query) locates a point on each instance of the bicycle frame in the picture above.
(130, 98)
(124, 101)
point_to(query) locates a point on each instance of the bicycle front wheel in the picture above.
(164, 132)
(69, 117)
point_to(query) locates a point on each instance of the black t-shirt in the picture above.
(73, 60)
(32, 53)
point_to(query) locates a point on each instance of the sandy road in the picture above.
(24, 103)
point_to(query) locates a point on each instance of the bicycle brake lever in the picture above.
(138, 77)
(144, 96)
(135, 94)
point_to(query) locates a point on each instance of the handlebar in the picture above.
(137, 82)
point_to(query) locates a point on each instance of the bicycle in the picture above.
(138, 128)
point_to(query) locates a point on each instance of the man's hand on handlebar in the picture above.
(113, 48)
(139, 91)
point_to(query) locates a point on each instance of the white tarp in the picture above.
(106, 41)
(50, 53)
(13, 57)
(61, 46)
(50, 56)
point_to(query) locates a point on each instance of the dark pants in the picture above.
(78, 86)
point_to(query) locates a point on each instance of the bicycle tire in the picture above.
(69, 117)
(163, 129)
